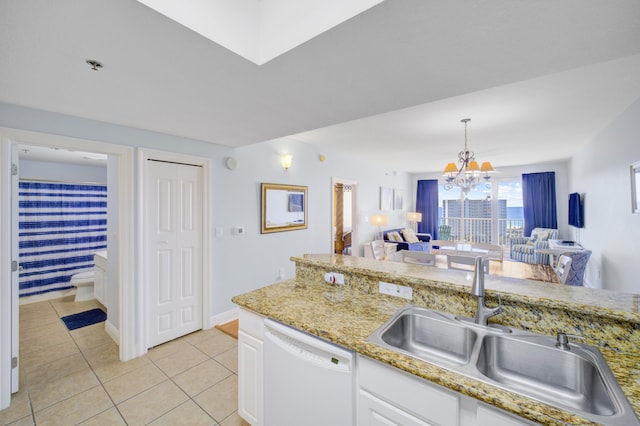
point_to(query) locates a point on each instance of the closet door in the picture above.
(173, 208)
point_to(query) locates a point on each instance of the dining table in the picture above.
(513, 269)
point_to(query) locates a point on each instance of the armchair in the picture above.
(526, 249)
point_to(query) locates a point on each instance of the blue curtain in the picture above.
(60, 227)
(427, 204)
(539, 201)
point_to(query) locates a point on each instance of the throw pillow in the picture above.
(532, 240)
(391, 236)
(543, 235)
(410, 236)
(396, 237)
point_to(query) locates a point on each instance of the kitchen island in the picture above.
(348, 314)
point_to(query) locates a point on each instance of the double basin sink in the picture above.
(575, 378)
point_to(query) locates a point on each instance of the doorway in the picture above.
(122, 249)
(344, 230)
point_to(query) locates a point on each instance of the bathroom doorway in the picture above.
(122, 158)
(63, 212)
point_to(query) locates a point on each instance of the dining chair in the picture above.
(418, 257)
(465, 263)
(377, 247)
(571, 267)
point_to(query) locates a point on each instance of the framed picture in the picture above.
(386, 199)
(397, 199)
(284, 208)
(635, 187)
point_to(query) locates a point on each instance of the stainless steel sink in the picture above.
(536, 367)
(430, 335)
(577, 380)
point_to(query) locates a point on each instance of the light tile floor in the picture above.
(76, 377)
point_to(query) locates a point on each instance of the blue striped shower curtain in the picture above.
(60, 226)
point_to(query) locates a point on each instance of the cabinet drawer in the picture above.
(373, 411)
(416, 397)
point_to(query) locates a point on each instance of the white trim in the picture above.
(5, 275)
(225, 317)
(112, 331)
(126, 215)
(145, 154)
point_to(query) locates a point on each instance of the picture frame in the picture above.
(386, 199)
(635, 187)
(397, 199)
(284, 208)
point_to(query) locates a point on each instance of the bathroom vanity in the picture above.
(347, 315)
(100, 276)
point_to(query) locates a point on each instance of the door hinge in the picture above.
(14, 265)
(14, 169)
(14, 362)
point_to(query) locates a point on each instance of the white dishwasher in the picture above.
(307, 381)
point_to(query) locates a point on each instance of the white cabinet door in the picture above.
(250, 370)
(376, 412)
(250, 393)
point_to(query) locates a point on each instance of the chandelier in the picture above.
(469, 175)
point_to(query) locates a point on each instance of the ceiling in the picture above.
(538, 79)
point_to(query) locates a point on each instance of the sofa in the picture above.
(526, 249)
(422, 245)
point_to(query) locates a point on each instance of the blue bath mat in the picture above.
(84, 319)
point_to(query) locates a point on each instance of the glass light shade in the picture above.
(286, 160)
(451, 168)
(486, 167)
(379, 219)
(414, 217)
(472, 167)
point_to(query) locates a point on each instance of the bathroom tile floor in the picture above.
(69, 378)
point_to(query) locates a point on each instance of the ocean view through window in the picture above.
(490, 215)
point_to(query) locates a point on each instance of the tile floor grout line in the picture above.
(60, 308)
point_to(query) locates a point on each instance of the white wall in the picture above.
(259, 258)
(243, 263)
(600, 173)
(46, 170)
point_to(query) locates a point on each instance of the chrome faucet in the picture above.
(477, 289)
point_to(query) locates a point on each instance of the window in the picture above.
(488, 214)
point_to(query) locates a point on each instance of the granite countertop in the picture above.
(347, 316)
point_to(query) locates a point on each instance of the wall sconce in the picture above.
(379, 220)
(414, 218)
(286, 159)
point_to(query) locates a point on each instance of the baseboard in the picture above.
(112, 331)
(224, 317)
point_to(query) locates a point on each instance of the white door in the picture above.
(173, 208)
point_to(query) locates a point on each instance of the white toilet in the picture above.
(84, 286)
